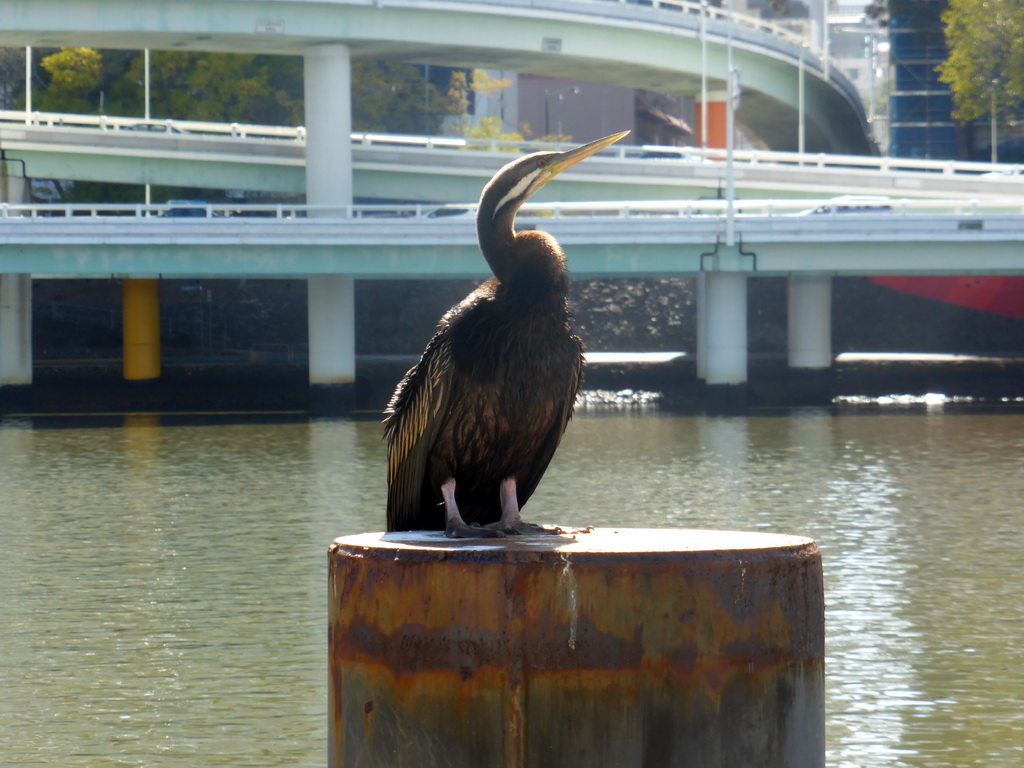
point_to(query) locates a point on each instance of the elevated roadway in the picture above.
(453, 170)
(773, 238)
(657, 46)
(654, 45)
(639, 240)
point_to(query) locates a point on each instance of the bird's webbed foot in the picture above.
(456, 529)
(522, 528)
(455, 526)
(511, 523)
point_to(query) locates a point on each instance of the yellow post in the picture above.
(141, 323)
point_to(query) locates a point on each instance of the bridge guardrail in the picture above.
(646, 153)
(167, 213)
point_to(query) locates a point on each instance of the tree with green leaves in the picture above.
(395, 97)
(222, 87)
(75, 77)
(246, 88)
(985, 67)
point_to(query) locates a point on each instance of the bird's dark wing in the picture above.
(546, 450)
(414, 417)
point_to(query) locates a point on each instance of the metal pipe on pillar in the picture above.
(701, 289)
(331, 304)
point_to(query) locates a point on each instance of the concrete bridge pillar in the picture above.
(331, 305)
(726, 366)
(809, 304)
(15, 310)
(15, 342)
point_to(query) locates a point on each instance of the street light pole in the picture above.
(826, 43)
(704, 74)
(800, 130)
(730, 108)
(149, 188)
(992, 122)
(28, 78)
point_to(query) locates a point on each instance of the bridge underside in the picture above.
(608, 42)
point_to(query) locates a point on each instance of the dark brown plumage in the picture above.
(472, 426)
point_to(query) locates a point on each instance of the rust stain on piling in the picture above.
(490, 649)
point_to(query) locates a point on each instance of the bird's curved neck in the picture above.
(532, 271)
(498, 245)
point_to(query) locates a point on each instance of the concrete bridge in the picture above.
(634, 239)
(791, 97)
(655, 45)
(769, 238)
(453, 170)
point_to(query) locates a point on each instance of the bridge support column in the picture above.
(331, 307)
(809, 304)
(726, 365)
(15, 343)
(15, 309)
(332, 343)
(140, 311)
(715, 106)
(328, 94)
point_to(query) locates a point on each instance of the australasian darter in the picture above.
(472, 426)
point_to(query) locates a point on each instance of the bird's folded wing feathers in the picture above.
(414, 418)
(546, 450)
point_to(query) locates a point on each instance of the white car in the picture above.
(852, 204)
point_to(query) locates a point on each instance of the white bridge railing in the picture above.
(177, 129)
(142, 126)
(796, 32)
(191, 211)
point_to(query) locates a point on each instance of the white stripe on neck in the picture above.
(518, 190)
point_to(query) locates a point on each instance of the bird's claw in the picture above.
(456, 530)
(523, 528)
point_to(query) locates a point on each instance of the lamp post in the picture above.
(869, 43)
(145, 63)
(732, 86)
(992, 123)
(28, 79)
(704, 74)
(826, 43)
(800, 129)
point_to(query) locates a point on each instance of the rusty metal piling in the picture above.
(614, 647)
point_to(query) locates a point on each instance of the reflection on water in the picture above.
(163, 587)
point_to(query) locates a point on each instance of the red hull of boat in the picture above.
(999, 295)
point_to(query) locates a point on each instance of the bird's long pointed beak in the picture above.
(553, 163)
(573, 156)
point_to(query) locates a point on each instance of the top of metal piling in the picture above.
(594, 543)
